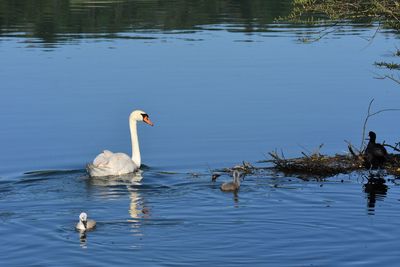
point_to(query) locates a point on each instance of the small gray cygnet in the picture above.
(234, 185)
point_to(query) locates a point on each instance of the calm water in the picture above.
(223, 83)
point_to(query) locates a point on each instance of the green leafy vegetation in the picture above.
(388, 65)
(386, 11)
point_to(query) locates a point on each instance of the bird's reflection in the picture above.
(236, 199)
(375, 189)
(128, 182)
(137, 208)
(82, 239)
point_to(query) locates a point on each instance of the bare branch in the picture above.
(370, 39)
(321, 34)
(369, 114)
(390, 77)
(392, 147)
(352, 149)
(365, 125)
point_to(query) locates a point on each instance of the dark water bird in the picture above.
(375, 154)
(85, 224)
(234, 185)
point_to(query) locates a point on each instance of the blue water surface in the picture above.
(218, 93)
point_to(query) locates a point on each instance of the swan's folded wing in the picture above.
(103, 158)
(122, 163)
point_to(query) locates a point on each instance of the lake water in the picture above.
(223, 82)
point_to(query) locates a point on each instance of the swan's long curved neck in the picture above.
(135, 143)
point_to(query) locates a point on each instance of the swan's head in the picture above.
(83, 218)
(140, 115)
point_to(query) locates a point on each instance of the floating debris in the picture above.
(324, 166)
(315, 165)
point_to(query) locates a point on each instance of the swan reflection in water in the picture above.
(113, 187)
(375, 189)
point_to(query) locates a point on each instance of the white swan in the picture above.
(110, 164)
(85, 224)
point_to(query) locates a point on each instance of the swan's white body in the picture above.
(108, 163)
(85, 224)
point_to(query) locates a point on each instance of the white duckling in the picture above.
(234, 185)
(84, 224)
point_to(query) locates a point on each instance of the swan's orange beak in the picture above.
(148, 121)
